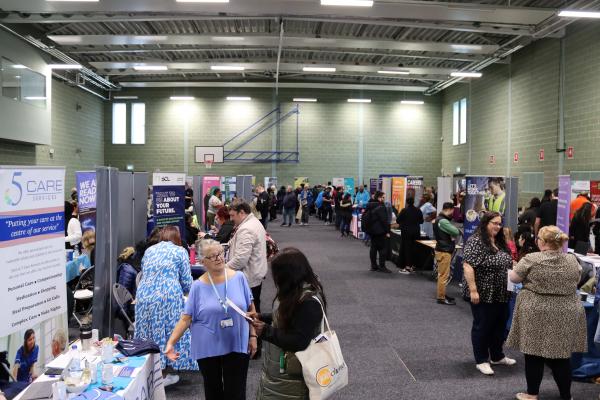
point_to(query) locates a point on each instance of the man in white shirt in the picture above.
(73, 237)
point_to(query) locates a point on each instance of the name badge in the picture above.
(227, 323)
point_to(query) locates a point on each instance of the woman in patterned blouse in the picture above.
(486, 262)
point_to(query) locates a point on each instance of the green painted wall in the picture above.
(515, 108)
(77, 135)
(395, 138)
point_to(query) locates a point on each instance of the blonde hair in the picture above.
(126, 253)
(508, 235)
(553, 237)
(85, 239)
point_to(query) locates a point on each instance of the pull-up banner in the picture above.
(86, 199)
(169, 200)
(32, 257)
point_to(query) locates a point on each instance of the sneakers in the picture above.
(446, 302)
(170, 380)
(374, 268)
(404, 271)
(505, 361)
(384, 269)
(485, 368)
(283, 224)
(525, 396)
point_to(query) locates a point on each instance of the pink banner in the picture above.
(208, 182)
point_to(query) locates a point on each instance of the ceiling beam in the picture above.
(491, 28)
(126, 68)
(366, 52)
(282, 85)
(426, 10)
(270, 41)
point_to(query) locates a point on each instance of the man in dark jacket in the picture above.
(262, 204)
(444, 233)
(289, 206)
(409, 220)
(379, 231)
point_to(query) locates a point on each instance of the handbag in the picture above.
(323, 367)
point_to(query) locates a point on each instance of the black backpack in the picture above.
(368, 220)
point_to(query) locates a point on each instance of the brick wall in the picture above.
(396, 138)
(77, 135)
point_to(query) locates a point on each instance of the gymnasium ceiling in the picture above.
(393, 45)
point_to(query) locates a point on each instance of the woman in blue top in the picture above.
(27, 356)
(222, 340)
(166, 277)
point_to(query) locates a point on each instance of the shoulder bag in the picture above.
(323, 366)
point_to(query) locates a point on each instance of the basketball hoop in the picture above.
(208, 164)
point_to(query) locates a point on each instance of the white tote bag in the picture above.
(323, 366)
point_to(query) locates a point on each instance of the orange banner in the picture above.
(398, 192)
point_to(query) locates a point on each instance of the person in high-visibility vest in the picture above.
(496, 201)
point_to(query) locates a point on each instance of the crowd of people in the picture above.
(194, 322)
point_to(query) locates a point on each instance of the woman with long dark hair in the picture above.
(295, 321)
(27, 356)
(579, 230)
(487, 259)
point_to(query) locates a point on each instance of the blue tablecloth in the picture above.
(197, 271)
(587, 365)
(73, 266)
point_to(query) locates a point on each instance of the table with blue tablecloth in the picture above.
(197, 271)
(587, 365)
(74, 267)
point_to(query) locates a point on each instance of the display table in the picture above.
(146, 382)
(74, 267)
(587, 365)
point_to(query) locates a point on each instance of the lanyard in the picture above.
(223, 303)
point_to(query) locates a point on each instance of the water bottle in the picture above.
(75, 370)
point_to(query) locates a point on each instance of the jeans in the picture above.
(561, 371)
(289, 214)
(264, 218)
(443, 271)
(345, 224)
(327, 214)
(305, 214)
(225, 376)
(487, 333)
(378, 245)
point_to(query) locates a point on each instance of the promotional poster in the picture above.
(349, 186)
(86, 199)
(398, 196)
(228, 188)
(564, 203)
(414, 187)
(483, 194)
(299, 180)
(169, 200)
(373, 185)
(208, 182)
(337, 182)
(270, 181)
(32, 259)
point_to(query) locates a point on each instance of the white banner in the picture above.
(168, 179)
(32, 247)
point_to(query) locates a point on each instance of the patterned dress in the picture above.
(549, 320)
(166, 277)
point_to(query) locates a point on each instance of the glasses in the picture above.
(216, 257)
(496, 223)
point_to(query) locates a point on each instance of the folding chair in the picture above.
(123, 297)
(82, 295)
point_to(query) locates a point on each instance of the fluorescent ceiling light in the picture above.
(350, 3)
(228, 38)
(359, 100)
(318, 69)
(35, 98)
(466, 74)
(150, 68)
(227, 68)
(304, 100)
(579, 14)
(238, 98)
(202, 1)
(64, 66)
(125, 97)
(413, 102)
(181, 98)
(393, 72)
(19, 66)
(82, 1)
(151, 38)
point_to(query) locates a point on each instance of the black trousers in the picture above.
(561, 370)
(256, 295)
(487, 333)
(327, 214)
(225, 376)
(378, 245)
(407, 253)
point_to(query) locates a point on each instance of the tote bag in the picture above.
(323, 366)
